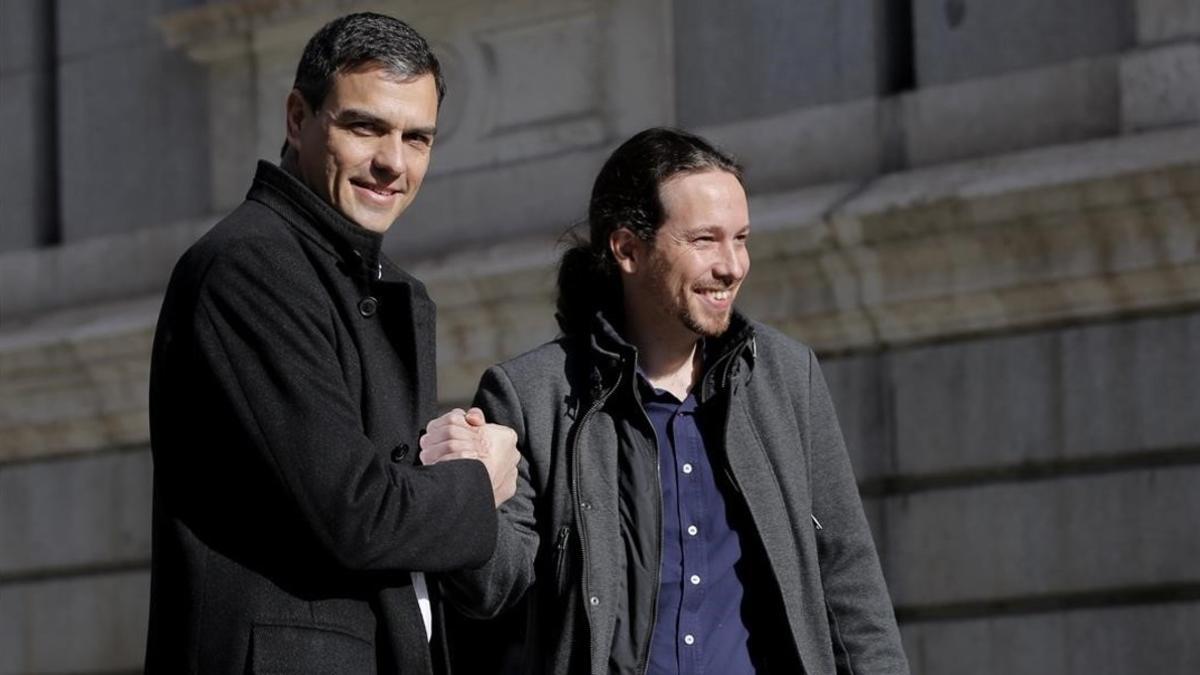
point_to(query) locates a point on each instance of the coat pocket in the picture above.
(308, 650)
(562, 558)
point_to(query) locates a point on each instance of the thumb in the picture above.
(475, 417)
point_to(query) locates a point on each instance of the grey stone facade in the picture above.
(985, 216)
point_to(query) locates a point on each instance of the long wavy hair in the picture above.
(625, 194)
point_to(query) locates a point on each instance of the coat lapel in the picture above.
(752, 468)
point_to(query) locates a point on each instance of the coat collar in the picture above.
(613, 354)
(358, 248)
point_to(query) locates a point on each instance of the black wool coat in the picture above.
(293, 369)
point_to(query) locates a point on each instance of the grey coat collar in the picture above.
(613, 355)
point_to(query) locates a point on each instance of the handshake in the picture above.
(467, 435)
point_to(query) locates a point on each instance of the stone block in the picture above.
(75, 513)
(231, 115)
(528, 80)
(975, 404)
(543, 71)
(964, 39)
(97, 270)
(459, 211)
(1130, 386)
(639, 63)
(134, 147)
(124, 22)
(810, 146)
(23, 159)
(90, 624)
(1090, 533)
(1029, 108)
(754, 59)
(1103, 641)
(860, 396)
(1083, 393)
(22, 29)
(1159, 87)
(273, 71)
(1165, 20)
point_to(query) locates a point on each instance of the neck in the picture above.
(667, 354)
(290, 164)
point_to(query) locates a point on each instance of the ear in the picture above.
(297, 112)
(626, 249)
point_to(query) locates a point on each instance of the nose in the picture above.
(733, 263)
(390, 156)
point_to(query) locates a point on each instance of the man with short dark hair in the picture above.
(687, 504)
(293, 370)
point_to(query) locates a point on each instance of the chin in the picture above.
(372, 222)
(708, 326)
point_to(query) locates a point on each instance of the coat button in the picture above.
(400, 452)
(367, 306)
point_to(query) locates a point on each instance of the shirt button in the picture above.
(687, 468)
(400, 452)
(594, 600)
(689, 639)
(692, 530)
(367, 306)
(695, 580)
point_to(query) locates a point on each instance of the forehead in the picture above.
(704, 198)
(381, 92)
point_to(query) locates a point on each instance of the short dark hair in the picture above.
(356, 40)
(626, 194)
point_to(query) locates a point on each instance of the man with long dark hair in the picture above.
(293, 370)
(688, 504)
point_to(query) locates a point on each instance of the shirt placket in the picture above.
(689, 487)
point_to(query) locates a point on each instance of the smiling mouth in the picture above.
(719, 295)
(381, 190)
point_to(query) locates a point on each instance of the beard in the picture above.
(703, 324)
(685, 306)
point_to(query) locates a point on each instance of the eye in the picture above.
(364, 129)
(419, 140)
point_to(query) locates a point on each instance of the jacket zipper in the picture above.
(582, 538)
(560, 548)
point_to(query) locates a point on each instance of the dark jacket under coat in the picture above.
(585, 524)
(293, 369)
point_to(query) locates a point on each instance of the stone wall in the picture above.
(985, 218)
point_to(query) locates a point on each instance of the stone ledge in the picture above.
(1074, 233)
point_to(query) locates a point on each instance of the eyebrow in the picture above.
(717, 229)
(356, 116)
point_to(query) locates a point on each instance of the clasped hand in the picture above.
(461, 434)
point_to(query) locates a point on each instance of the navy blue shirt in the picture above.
(700, 626)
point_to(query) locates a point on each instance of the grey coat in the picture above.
(292, 373)
(585, 522)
